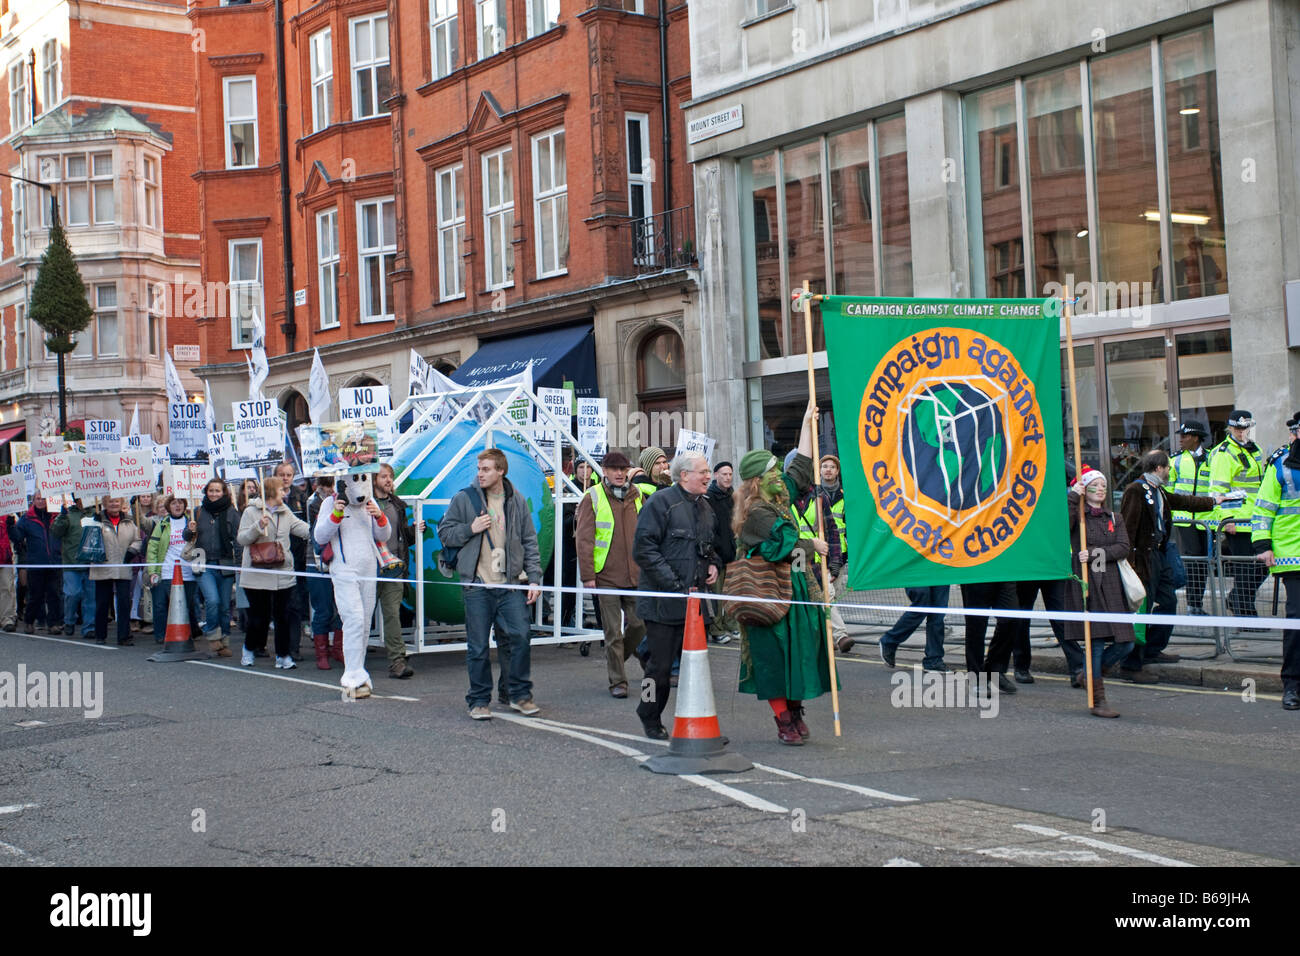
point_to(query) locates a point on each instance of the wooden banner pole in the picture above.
(1083, 507)
(821, 531)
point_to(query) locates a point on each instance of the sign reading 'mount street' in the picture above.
(949, 424)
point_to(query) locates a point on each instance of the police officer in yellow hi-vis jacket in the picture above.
(605, 531)
(1276, 540)
(1189, 474)
(1236, 469)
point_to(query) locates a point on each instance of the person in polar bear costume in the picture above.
(352, 524)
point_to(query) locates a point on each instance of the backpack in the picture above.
(448, 558)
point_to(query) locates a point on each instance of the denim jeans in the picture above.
(324, 615)
(215, 587)
(1162, 600)
(506, 611)
(1106, 655)
(161, 596)
(79, 592)
(911, 620)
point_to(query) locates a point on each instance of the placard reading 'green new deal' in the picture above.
(948, 413)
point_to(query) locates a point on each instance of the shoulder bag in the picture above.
(266, 554)
(1134, 591)
(759, 578)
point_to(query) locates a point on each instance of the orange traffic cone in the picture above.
(697, 744)
(177, 643)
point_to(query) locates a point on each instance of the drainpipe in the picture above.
(663, 97)
(289, 326)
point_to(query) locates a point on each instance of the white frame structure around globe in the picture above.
(915, 396)
(492, 407)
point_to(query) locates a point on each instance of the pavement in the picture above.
(205, 763)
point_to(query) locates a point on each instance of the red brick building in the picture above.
(458, 170)
(100, 112)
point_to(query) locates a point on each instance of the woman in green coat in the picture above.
(785, 664)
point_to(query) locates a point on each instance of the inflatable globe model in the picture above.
(953, 444)
(442, 598)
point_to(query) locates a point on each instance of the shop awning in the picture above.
(558, 355)
(9, 434)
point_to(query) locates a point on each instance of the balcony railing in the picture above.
(657, 243)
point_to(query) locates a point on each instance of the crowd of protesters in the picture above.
(248, 556)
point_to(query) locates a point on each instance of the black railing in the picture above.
(658, 243)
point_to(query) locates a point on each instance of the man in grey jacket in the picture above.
(490, 523)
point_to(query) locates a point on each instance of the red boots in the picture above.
(321, 643)
(786, 731)
(796, 718)
(336, 647)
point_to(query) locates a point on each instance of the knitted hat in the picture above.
(789, 456)
(1089, 475)
(649, 457)
(755, 463)
(723, 464)
(833, 458)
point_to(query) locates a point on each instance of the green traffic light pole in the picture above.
(54, 211)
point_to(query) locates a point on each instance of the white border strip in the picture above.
(294, 680)
(1103, 845)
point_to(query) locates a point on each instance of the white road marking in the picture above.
(65, 640)
(30, 723)
(900, 861)
(740, 796)
(851, 787)
(293, 680)
(1103, 845)
(1036, 855)
(18, 807)
(12, 850)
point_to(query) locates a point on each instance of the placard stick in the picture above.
(1083, 507)
(821, 531)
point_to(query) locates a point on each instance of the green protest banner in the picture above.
(948, 413)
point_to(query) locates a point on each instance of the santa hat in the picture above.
(1089, 475)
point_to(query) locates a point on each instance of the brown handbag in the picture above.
(266, 554)
(757, 577)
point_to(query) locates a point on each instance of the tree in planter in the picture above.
(59, 305)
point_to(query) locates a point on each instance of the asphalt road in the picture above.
(208, 764)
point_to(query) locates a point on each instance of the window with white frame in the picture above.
(241, 121)
(444, 36)
(640, 186)
(542, 15)
(106, 327)
(20, 217)
(550, 203)
(20, 334)
(327, 267)
(634, 6)
(322, 79)
(245, 289)
(88, 189)
(49, 74)
(376, 253)
(157, 308)
(371, 77)
(18, 117)
(499, 219)
(152, 181)
(451, 232)
(491, 27)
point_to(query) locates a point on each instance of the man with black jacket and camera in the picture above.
(674, 547)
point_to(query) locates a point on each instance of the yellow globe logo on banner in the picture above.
(951, 442)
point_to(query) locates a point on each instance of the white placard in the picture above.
(131, 473)
(91, 475)
(258, 438)
(103, 435)
(20, 453)
(715, 124)
(186, 353)
(187, 439)
(13, 495)
(186, 481)
(54, 475)
(161, 458)
(557, 401)
(696, 442)
(370, 403)
(234, 471)
(48, 445)
(593, 426)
